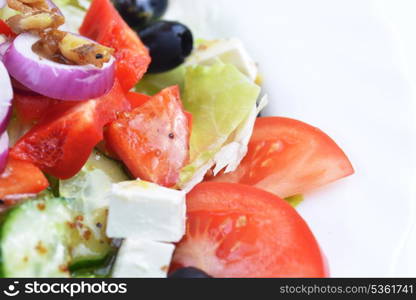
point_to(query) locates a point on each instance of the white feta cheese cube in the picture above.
(230, 51)
(145, 210)
(143, 259)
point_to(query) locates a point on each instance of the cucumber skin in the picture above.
(11, 214)
(87, 264)
(3, 219)
(93, 268)
(103, 270)
(80, 266)
(114, 173)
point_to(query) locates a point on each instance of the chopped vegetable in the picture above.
(104, 25)
(30, 108)
(90, 245)
(21, 178)
(5, 29)
(136, 99)
(287, 157)
(153, 139)
(61, 143)
(152, 84)
(53, 79)
(72, 93)
(34, 238)
(239, 231)
(6, 95)
(220, 99)
(4, 150)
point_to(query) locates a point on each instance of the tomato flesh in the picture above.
(5, 29)
(153, 139)
(235, 230)
(104, 25)
(31, 108)
(62, 141)
(21, 178)
(288, 157)
(137, 99)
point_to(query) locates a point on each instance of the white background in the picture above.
(349, 68)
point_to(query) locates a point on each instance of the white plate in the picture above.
(347, 68)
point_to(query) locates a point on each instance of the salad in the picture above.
(131, 148)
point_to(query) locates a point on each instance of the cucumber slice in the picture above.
(89, 188)
(34, 237)
(51, 237)
(103, 270)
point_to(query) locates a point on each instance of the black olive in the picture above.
(169, 44)
(189, 272)
(138, 13)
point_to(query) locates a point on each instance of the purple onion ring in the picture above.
(55, 80)
(6, 96)
(4, 150)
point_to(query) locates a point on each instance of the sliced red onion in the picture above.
(6, 96)
(17, 86)
(54, 80)
(4, 150)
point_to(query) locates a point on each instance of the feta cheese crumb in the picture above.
(143, 259)
(145, 210)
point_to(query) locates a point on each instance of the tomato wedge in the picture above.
(62, 141)
(104, 25)
(288, 157)
(135, 100)
(153, 139)
(236, 230)
(20, 178)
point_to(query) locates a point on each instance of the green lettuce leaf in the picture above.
(220, 99)
(154, 83)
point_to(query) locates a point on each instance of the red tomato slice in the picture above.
(5, 29)
(62, 141)
(31, 108)
(287, 157)
(236, 230)
(137, 99)
(104, 25)
(20, 178)
(153, 139)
